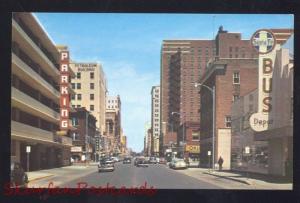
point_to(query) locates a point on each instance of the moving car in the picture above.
(18, 177)
(137, 159)
(153, 160)
(106, 165)
(127, 160)
(178, 164)
(141, 162)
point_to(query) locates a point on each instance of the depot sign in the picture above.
(64, 91)
(264, 43)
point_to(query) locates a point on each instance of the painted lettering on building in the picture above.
(64, 91)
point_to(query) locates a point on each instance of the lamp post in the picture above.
(212, 90)
(183, 131)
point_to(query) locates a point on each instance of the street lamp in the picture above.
(212, 90)
(183, 131)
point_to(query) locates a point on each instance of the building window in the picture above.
(236, 78)
(73, 86)
(195, 136)
(78, 96)
(76, 136)
(91, 96)
(92, 86)
(235, 97)
(78, 106)
(228, 121)
(92, 75)
(73, 106)
(91, 107)
(78, 76)
(79, 86)
(72, 96)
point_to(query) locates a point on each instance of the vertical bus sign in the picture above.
(64, 91)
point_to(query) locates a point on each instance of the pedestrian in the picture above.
(220, 162)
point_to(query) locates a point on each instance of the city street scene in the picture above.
(153, 101)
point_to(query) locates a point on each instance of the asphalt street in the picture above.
(156, 175)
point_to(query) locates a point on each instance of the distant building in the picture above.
(112, 137)
(155, 119)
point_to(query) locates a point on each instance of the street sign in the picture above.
(28, 149)
(208, 153)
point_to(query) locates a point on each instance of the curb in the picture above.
(241, 181)
(34, 179)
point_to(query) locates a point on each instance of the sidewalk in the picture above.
(37, 175)
(249, 180)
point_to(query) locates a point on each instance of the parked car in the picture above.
(178, 164)
(141, 162)
(106, 165)
(162, 160)
(116, 159)
(127, 160)
(153, 160)
(18, 177)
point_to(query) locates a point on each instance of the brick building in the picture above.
(231, 78)
(183, 62)
(84, 136)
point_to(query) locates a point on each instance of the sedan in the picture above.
(178, 164)
(142, 163)
(105, 166)
(127, 161)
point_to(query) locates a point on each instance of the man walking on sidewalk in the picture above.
(220, 162)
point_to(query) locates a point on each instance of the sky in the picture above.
(128, 47)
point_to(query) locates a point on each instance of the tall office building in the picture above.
(183, 62)
(155, 119)
(35, 97)
(90, 87)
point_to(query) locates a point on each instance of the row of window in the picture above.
(92, 107)
(79, 97)
(78, 75)
(92, 86)
(112, 101)
(110, 107)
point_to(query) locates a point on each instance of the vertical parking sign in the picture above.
(64, 91)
